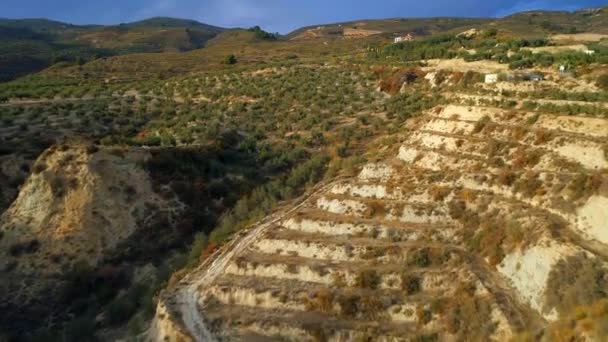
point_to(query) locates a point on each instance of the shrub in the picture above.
(230, 59)
(420, 258)
(424, 316)
(602, 81)
(584, 185)
(263, 35)
(410, 284)
(120, 310)
(199, 244)
(522, 158)
(577, 280)
(506, 177)
(439, 193)
(80, 329)
(349, 304)
(39, 167)
(458, 211)
(58, 186)
(28, 247)
(367, 279)
(467, 316)
(529, 185)
(375, 208)
(481, 124)
(322, 301)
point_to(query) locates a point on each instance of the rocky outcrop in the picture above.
(78, 204)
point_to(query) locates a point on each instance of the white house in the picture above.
(589, 52)
(407, 38)
(491, 78)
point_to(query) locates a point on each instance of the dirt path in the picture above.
(77, 99)
(540, 101)
(188, 292)
(519, 315)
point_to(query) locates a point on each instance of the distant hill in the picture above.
(524, 24)
(172, 22)
(29, 45)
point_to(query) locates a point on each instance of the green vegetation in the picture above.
(368, 279)
(516, 53)
(31, 45)
(602, 81)
(231, 59)
(263, 35)
(261, 201)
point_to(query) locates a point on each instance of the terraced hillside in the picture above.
(481, 224)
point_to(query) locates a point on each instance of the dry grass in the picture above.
(481, 124)
(466, 315)
(322, 300)
(506, 177)
(439, 193)
(583, 186)
(588, 320)
(577, 280)
(392, 83)
(523, 158)
(375, 208)
(543, 137)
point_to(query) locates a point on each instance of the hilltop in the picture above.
(29, 45)
(524, 24)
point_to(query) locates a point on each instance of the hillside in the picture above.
(526, 24)
(30, 45)
(43, 42)
(473, 222)
(328, 185)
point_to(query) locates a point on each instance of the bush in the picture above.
(39, 167)
(410, 284)
(367, 279)
(349, 304)
(467, 316)
(481, 124)
(200, 243)
(577, 280)
(230, 59)
(263, 35)
(58, 185)
(602, 81)
(420, 258)
(120, 310)
(263, 199)
(424, 316)
(24, 248)
(80, 329)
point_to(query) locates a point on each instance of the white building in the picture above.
(407, 38)
(589, 52)
(491, 78)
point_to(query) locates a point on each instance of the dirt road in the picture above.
(187, 294)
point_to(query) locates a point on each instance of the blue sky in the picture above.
(273, 15)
